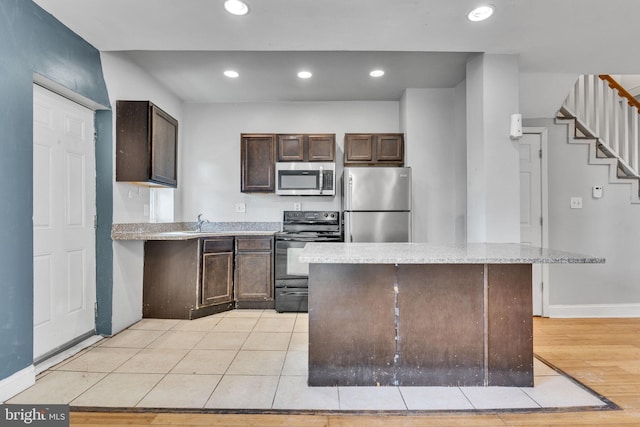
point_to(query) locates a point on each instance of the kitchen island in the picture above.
(413, 314)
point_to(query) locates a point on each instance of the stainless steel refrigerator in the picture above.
(376, 204)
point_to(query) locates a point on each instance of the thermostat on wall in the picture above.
(597, 192)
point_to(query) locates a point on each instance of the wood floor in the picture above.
(604, 354)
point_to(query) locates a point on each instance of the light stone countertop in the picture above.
(187, 230)
(425, 253)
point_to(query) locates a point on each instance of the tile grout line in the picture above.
(107, 374)
(174, 365)
(138, 352)
(234, 357)
(289, 349)
(204, 405)
(275, 393)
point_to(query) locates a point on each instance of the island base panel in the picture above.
(440, 327)
(420, 325)
(510, 325)
(351, 324)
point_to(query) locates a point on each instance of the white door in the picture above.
(531, 206)
(64, 203)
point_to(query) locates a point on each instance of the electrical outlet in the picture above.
(241, 207)
(576, 203)
(297, 206)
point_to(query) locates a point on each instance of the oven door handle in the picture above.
(295, 239)
(297, 294)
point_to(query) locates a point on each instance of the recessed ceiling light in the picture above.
(236, 7)
(304, 74)
(377, 73)
(480, 13)
(231, 74)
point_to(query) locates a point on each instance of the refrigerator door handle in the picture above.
(350, 200)
(350, 195)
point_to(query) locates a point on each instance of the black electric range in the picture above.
(291, 275)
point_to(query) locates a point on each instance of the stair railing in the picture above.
(610, 113)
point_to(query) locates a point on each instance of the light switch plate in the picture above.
(576, 203)
(241, 207)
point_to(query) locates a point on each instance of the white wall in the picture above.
(429, 121)
(542, 94)
(210, 176)
(127, 81)
(460, 161)
(631, 82)
(608, 227)
(493, 191)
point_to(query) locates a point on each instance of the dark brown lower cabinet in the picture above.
(217, 271)
(187, 279)
(171, 278)
(254, 272)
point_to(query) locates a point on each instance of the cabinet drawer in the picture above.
(253, 243)
(224, 244)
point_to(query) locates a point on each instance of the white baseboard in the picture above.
(594, 310)
(62, 356)
(17, 382)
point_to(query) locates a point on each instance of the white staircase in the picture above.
(600, 113)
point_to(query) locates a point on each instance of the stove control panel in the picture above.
(311, 216)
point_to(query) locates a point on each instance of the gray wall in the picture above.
(607, 227)
(31, 41)
(210, 176)
(493, 190)
(433, 151)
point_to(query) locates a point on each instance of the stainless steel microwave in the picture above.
(306, 178)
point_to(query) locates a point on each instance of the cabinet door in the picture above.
(322, 148)
(146, 144)
(358, 148)
(254, 268)
(254, 276)
(217, 278)
(390, 148)
(257, 163)
(290, 148)
(164, 147)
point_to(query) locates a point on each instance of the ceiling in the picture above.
(187, 44)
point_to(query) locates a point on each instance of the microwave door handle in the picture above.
(321, 179)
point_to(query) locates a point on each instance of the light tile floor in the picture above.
(253, 359)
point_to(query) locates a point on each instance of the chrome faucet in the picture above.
(199, 222)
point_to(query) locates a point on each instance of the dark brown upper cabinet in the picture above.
(374, 149)
(146, 144)
(257, 163)
(290, 148)
(306, 147)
